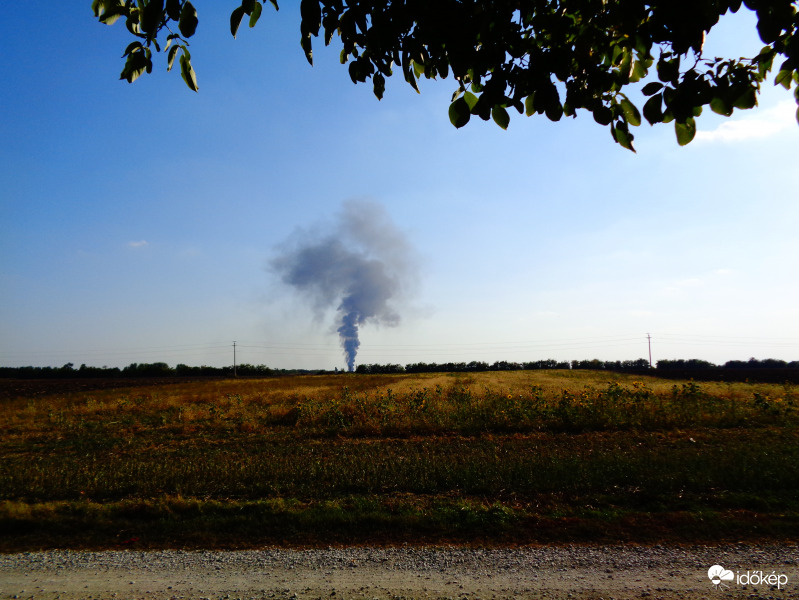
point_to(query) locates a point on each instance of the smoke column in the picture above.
(358, 268)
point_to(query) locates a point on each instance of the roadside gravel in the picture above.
(572, 572)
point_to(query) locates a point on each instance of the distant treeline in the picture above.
(504, 365)
(767, 370)
(638, 366)
(134, 370)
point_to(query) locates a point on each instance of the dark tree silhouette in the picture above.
(548, 57)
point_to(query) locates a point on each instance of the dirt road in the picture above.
(573, 572)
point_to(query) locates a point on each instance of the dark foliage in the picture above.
(542, 57)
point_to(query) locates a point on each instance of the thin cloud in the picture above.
(769, 122)
(139, 244)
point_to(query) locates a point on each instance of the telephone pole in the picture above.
(649, 341)
(234, 359)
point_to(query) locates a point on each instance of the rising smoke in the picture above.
(359, 267)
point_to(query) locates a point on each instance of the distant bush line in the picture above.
(767, 371)
(137, 370)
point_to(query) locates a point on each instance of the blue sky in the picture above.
(138, 222)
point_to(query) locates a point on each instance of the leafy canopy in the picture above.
(548, 57)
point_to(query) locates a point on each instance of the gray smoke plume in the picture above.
(358, 268)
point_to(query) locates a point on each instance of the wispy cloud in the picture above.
(760, 125)
(139, 244)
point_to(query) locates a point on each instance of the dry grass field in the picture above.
(489, 458)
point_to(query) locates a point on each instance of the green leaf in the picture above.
(630, 112)
(274, 3)
(173, 9)
(768, 26)
(187, 72)
(471, 99)
(411, 79)
(132, 22)
(188, 20)
(137, 63)
(765, 60)
(256, 14)
(719, 106)
(529, 105)
(784, 79)
(111, 16)
(685, 131)
(653, 111)
(131, 47)
(379, 85)
(622, 136)
(602, 115)
(443, 69)
(500, 116)
(626, 66)
(797, 115)
(746, 100)
(307, 47)
(171, 57)
(150, 16)
(235, 20)
(668, 70)
(311, 17)
(640, 69)
(459, 113)
(652, 88)
(553, 108)
(356, 71)
(482, 109)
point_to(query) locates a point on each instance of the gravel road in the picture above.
(571, 572)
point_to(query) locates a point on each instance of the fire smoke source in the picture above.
(358, 268)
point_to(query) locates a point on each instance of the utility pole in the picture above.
(649, 340)
(234, 359)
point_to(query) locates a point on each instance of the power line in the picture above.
(419, 351)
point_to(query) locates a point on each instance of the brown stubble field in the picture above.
(482, 458)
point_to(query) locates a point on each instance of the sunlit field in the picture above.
(494, 457)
